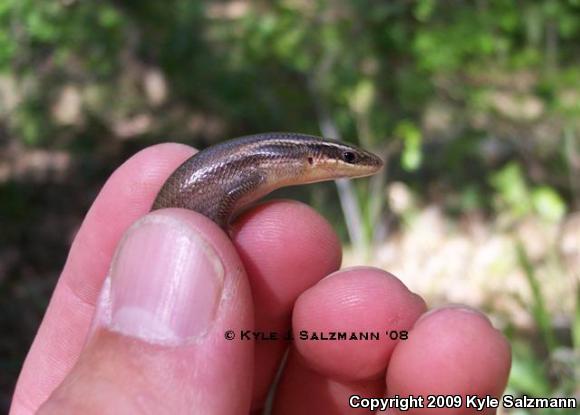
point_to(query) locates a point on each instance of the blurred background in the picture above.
(475, 106)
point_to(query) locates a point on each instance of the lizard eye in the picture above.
(349, 157)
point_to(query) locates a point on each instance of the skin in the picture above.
(71, 369)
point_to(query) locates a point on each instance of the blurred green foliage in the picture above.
(493, 69)
(476, 105)
(516, 198)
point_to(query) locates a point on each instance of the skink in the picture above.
(221, 180)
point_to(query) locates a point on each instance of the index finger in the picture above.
(127, 195)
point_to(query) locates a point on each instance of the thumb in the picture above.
(158, 344)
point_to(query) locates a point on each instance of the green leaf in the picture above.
(512, 189)
(412, 139)
(362, 97)
(109, 17)
(424, 10)
(548, 203)
(527, 376)
(539, 310)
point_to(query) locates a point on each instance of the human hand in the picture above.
(152, 338)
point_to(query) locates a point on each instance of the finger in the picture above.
(353, 301)
(286, 247)
(127, 195)
(450, 351)
(176, 285)
(318, 394)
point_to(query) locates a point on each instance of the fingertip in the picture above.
(139, 178)
(127, 195)
(357, 302)
(302, 248)
(452, 350)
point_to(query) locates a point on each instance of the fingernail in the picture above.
(165, 283)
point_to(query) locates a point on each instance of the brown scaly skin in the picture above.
(220, 180)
